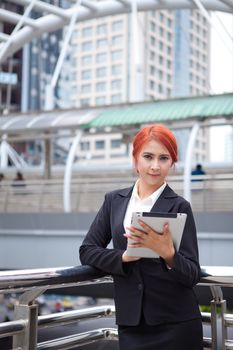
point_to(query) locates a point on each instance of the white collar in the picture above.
(153, 197)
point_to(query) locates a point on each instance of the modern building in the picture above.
(172, 55)
(173, 49)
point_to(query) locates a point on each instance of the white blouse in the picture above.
(138, 204)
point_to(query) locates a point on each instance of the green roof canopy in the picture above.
(162, 111)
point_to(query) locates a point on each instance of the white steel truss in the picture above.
(53, 17)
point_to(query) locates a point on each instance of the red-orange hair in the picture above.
(159, 133)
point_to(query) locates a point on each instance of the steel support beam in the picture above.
(68, 172)
(43, 7)
(88, 11)
(188, 161)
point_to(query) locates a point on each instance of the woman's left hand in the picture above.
(148, 238)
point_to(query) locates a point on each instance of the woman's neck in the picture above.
(146, 191)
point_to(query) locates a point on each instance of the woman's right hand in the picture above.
(126, 258)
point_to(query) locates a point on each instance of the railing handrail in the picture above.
(49, 278)
(109, 179)
(34, 282)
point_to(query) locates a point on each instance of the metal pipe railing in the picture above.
(75, 315)
(12, 327)
(17, 281)
(77, 340)
(32, 283)
(50, 278)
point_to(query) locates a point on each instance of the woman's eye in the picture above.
(164, 158)
(147, 156)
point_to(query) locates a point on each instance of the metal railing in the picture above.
(212, 193)
(30, 284)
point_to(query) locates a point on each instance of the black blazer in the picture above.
(146, 285)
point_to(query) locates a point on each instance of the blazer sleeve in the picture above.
(93, 251)
(186, 269)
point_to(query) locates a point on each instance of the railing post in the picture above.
(27, 309)
(224, 327)
(214, 333)
(217, 302)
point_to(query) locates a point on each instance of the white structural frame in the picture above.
(68, 173)
(56, 18)
(188, 161)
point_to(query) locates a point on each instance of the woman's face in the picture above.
(153, 164)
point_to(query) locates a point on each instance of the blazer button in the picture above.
(140, 286)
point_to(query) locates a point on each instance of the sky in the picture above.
(221, 53)
(221, 73)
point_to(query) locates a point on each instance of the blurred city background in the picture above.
(77, 80)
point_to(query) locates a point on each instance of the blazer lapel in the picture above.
(119, 207)
(165, 202)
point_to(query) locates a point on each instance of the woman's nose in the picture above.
(155, 165)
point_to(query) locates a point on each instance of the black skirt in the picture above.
(187, 335)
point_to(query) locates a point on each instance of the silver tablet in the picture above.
(156, 221)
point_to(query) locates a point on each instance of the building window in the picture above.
(85, 102)
(101, 57)
(160, 74)
(152, 85)
(160, 87)
(169, 64)
(169, 36)
(117, 55)
(101, 29)
(86, 60)
(100, 144)
(169, 78)
(116, 84)
(86, 74)
(87, 32)
(152, 41)
(116, 143)
(116, 69)
(101, 43)
(87, 46)
(169, 22)
(84, 145)
(86, 88)
(101, 72)
(161, 60)
(152, 55)
(152, 70)
(116, 98)
(117, 40)
(117, 25)
(101, 86)
(100, 100)
(152, 26)
(169, 50)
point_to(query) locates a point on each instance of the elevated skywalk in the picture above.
(214, 192)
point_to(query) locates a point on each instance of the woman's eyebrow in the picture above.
(152, 154)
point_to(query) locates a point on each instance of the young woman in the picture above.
(156, 308)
